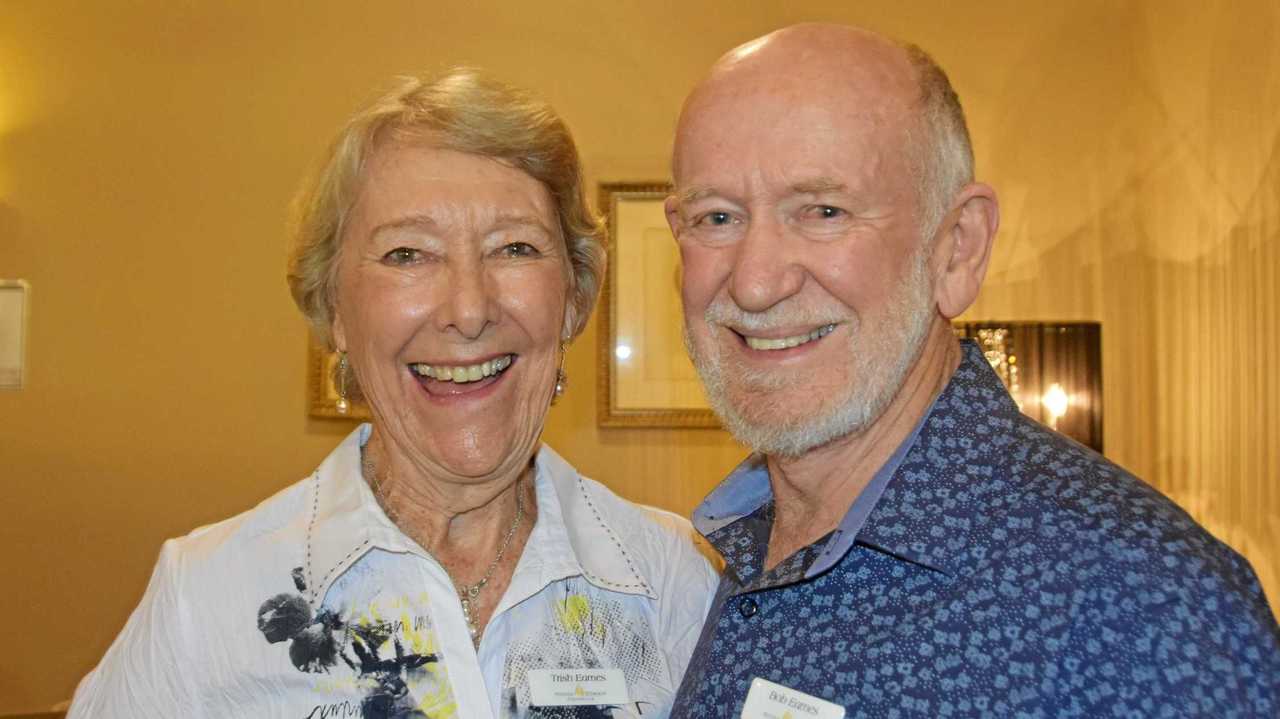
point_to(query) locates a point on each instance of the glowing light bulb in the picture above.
(622, 352)
(1055, 402)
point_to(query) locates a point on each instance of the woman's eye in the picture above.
(519, 249)
(401, 256)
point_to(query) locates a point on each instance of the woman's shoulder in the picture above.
(279, 512)
(214, 553)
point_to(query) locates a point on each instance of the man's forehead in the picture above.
(817, 58)
(791, 148)
(856, 87)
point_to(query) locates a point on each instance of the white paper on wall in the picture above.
(13, 332)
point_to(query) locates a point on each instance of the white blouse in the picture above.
(314, 605)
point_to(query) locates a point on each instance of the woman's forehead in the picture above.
(425, 185)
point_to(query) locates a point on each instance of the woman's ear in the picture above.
(962, 248)
(338, 333)
(568, 330)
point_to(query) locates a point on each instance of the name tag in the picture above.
(767, 700)
(569, 687)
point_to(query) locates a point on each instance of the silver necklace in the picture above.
(467, 593)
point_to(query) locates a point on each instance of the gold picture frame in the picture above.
(322, 394)
(645, 377)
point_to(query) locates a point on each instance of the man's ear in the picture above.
(671, 207)
(962, 248)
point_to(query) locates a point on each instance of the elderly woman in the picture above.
(440, 562)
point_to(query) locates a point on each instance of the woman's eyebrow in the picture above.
(519, 219)
(415, 221)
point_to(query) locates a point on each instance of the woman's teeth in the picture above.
(463, 374)
(782, 343)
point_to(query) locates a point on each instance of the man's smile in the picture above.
(756, 342)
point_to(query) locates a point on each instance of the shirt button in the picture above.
(748, 608)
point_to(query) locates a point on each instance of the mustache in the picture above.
(727, 313)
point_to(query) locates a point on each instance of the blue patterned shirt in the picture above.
(991, 568)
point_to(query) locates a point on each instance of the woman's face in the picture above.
(452, 288)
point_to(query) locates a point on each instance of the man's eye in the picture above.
(826, 212)
(716, 219)
(401, 256)
(519, 249)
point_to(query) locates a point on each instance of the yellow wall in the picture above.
(148, 150)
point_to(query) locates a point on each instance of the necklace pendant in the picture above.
(472, 629)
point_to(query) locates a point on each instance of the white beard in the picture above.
(880, 363)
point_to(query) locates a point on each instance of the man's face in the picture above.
(807, 291)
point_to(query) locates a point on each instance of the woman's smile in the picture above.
(453, 380)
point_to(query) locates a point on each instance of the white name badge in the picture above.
(767, 700)
(569, 687)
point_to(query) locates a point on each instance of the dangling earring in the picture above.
(343, 405)
(561, 378)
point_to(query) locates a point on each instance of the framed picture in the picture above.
(322, 393)
(645, 377)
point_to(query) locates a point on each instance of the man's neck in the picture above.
(813, 492)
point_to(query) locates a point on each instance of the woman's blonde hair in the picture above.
(461, 110)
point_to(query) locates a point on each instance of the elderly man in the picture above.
(904, 542)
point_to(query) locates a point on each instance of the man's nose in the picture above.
(766, 268)
(470, 302)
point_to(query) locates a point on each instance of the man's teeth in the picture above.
(782, 343)
(463, 374)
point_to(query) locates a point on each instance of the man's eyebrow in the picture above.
(693, 194)
(815, 186)
(818, 186)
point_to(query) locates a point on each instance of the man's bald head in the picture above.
(891, 84)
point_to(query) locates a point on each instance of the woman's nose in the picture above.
(470, 303)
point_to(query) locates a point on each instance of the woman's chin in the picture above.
(474, 455)
(469, 432)
(481, 470)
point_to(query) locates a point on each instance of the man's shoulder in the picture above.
(1081, 492)
(1103, 531)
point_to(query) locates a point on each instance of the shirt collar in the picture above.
(884, 515)
(343, 519)
(956, 473)
(574, 534)
(747, 488)
(596, 530)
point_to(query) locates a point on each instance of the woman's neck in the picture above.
(462, 524)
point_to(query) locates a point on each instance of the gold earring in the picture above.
(343, 405)
(561, 378)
